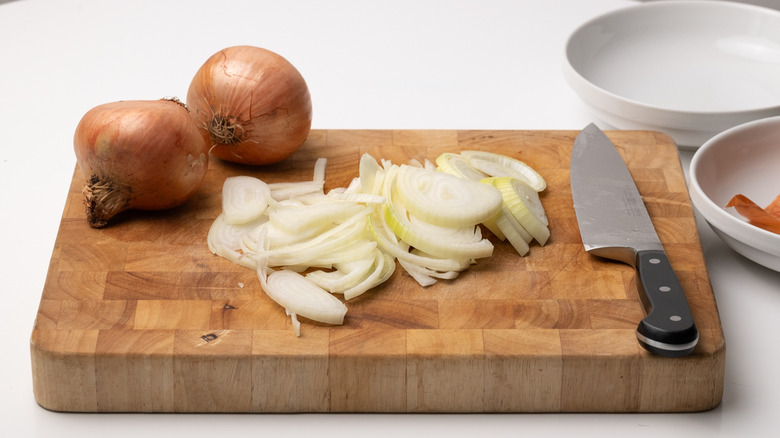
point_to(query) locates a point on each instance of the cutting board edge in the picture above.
(67, 378)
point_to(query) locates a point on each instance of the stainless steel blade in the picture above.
(612, 217)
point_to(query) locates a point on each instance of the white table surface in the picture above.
(482, 64)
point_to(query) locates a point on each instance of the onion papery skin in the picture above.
(138, 155)
(253, 103)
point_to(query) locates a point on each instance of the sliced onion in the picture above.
(244, 199)
(371, 175)
(374, 278)
(324, 243)
(517, 236)
(417, 242)
(282, 191)
(259, 238)
(358, 249)
(225, 239)
(437, 245)
(446, 200)
(426, 276)
(501, 165)
(313, 218)
(347, 241)
(319, 170)
(295, 323)
(300, 296)
(345, 275)
(360, 198)
(456, 164)
(491, 225)
(524, 204)
(387, 241)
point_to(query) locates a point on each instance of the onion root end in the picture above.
(226, 130)
(103, 199)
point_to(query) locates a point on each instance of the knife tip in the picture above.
(592, 127)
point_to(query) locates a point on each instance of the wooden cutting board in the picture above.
(140, 316)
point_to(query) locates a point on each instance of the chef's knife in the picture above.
(614, 224)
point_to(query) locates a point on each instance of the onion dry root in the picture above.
(138, 154)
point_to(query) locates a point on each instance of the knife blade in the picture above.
(614, 224)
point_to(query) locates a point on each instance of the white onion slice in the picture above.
(388, 243)
(312, 218)
(436, 245)
(446, 200)
(308, 250)
(319, 170)
(281, 191)
(524, 204)
(371, 175)
(370, 280)
(456, 164)
(425, 276)
(300, 296)
(295, 323)
(244, 199)
(501, 165)
(360, 198)
(517, 236)
(328, 259)
(345, 275)
(225, 239)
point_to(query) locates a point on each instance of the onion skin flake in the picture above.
(765, 219)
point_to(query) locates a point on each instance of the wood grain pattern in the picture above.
(141, 317)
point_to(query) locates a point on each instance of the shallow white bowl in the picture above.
(690, 69)
(742, 160)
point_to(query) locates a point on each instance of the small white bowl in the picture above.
(741, 160)
(690, 69)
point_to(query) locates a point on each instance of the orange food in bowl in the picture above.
(766, 218)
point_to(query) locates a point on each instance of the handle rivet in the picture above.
(675, 318)
(664, 288)
(655, 261)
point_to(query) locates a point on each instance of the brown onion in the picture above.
(144, 155)
(253, 103)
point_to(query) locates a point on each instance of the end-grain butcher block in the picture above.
(141, 317)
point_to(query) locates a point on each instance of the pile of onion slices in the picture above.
(308, 245)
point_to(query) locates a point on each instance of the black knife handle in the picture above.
(668, 329)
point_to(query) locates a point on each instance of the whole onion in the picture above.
(253, 103)
(143, 154)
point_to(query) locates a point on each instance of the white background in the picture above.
(482, 64)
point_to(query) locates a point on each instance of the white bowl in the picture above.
(742, 160)
(690, 69)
